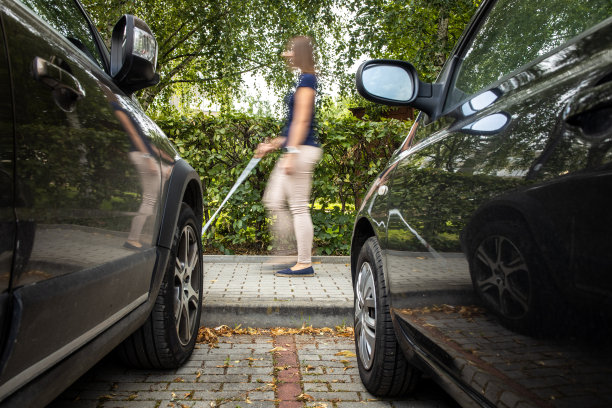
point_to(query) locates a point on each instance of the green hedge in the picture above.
(219, 148)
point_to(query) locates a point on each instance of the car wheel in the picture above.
(382, 366)
(507, 272)
(168, 337)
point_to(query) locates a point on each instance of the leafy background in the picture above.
(219, 148)
(207, 46)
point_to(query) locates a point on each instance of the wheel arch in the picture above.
(361, 232)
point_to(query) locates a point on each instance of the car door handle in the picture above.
(57, 78)
(590, 111)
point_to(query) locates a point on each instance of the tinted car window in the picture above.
(66, 17)
(507, 40)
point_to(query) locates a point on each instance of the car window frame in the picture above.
(97, 37)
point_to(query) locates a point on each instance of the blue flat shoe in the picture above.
(299, 273)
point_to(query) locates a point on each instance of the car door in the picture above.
(502, 158)
(7, 215)
(81, 173)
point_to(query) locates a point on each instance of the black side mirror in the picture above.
(133, 54)
(393, 82)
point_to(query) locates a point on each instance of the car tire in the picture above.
(383, 367)
(168, 337)
(508, 274)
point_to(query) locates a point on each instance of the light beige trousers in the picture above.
(287, 197)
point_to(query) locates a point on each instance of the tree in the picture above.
(422, 32)
(206, 45)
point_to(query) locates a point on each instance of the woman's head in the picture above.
(299, 53)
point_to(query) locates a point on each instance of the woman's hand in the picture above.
(288, 164)
(263, 149)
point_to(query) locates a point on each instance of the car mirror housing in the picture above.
(396, 83)
(133, 54)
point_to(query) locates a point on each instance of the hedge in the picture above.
(219, 148)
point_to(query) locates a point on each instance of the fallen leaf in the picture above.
(304, 398)
(275, 349)
(345, 353)
(178, 379)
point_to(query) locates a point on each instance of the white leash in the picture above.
(252, 164)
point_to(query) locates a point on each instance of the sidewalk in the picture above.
(242, 290)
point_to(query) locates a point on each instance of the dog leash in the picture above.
(252, 164)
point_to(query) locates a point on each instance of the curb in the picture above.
(268, 315)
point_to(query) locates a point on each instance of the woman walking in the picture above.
(288, 191)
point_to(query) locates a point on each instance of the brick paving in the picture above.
(245, 371)
(508, 368)
(242, 290)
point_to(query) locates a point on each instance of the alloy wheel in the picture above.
(365, 314)
(187, 278)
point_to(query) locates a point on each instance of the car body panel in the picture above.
(91, 171)
(508, 152)
(7, 214)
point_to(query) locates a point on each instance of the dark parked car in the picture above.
(100, 219)
(482, 255)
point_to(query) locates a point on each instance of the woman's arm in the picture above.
(269, 146)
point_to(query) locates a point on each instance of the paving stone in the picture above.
(129, 404)
(329, 395)
(363, 404)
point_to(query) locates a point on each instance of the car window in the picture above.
(516, 32)
(66, 17)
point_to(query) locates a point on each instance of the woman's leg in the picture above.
(299, 198)
(275, 201)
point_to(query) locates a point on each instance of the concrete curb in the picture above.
(277, 314)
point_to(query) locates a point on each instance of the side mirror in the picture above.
(133, 54)
(393, 82)
(388, 82)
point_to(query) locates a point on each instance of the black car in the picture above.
(100, 219)
(482, 255)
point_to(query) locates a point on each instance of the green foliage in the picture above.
(422, 32)
(219, 148)
(206, 45)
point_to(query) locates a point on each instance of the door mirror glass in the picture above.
(387, 81)
(133, 54)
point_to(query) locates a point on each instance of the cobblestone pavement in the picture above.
(243, 290)
(246, 371)
(255, 283)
